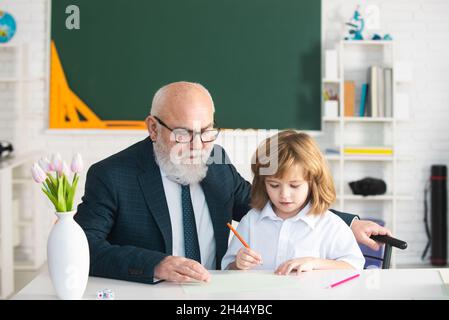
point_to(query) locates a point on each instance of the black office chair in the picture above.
(375, 258)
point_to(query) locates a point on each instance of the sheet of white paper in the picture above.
(242, 281)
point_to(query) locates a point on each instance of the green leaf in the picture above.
(52, 184)
(61, 199)
(52, 179)
(60, 192)
(52, 199)
(45, 184)
(66, 186)
(71, 194)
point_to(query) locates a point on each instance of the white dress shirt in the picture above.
(323, 236)
(203, 221)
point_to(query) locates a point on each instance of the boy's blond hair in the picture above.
(292, 148)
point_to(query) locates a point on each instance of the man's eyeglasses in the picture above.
(183, 135)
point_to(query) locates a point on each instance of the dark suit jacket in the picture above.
(125, 216)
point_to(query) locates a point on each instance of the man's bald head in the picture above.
(178, 97)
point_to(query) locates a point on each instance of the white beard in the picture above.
(179, 167)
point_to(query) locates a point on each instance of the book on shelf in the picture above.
(388, 83)
(381, 92)
(349, 98)
(363, 99)
(373, 86)
(367, 112)
(369, 151)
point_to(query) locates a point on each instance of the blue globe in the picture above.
(7, 27)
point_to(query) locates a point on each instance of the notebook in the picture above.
(239, 282)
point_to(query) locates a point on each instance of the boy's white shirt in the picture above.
(324, 236)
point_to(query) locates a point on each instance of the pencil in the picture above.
(238, 236)
(343, 281)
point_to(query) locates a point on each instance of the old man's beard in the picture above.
(182, 167)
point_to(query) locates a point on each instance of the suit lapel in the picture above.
(153, 189)
(151, 184)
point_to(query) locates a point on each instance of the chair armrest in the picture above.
(390, 241)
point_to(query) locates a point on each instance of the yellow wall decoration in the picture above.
(66, 107)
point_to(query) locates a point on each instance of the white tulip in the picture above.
(65, 169)
(57, 163)
(77, 163)
(38, 173)
(45, 164)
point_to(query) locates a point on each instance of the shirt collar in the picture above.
(170, 178)
(309, 219)
(163, 174)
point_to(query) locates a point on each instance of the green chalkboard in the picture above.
(260, 59)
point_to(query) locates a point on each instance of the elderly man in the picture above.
(158, 209)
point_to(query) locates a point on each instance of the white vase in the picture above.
(68, 257)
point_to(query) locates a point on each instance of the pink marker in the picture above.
(343, 281)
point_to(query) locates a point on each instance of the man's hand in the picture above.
(180, 269)
(364, 229)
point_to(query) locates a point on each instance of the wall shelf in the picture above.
(368, 158)
(15, 79)
(332, 80)
(387, 197)
(354, 61)
(358, 119)
(367, 42)
(367, 119)
(327, 119)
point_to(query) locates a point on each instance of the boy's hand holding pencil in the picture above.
(246, 257)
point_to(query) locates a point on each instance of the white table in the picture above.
(7, 166)
(372, 284)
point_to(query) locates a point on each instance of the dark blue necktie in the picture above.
(191, 245)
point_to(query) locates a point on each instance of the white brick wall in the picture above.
(421, 31)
